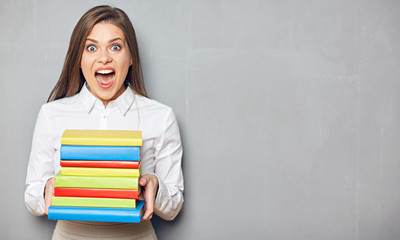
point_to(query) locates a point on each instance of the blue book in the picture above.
(94, 214)
(117, 153)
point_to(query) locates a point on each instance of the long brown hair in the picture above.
(71, 79)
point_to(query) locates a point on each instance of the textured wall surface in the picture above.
(289, 111)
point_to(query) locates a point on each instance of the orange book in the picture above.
(100, 163)
(97, 192)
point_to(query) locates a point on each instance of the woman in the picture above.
(101, 87)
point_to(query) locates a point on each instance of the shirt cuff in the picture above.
(34, 199)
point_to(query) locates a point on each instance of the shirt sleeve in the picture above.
(168, 170)
(40, 167)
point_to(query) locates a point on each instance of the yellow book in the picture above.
(93, 202)
(102, 137)
(100, 172)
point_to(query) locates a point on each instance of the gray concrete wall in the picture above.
(289, 111)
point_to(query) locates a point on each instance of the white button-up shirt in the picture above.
(161, 152)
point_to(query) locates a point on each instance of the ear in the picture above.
(130, 62)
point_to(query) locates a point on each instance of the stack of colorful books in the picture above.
(99, 177)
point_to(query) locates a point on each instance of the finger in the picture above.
(47, 201)
(142, 181)
(149, 197)
(47, 205)
(49, 190)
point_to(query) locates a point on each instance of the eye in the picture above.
(91, 48)
(115, 47)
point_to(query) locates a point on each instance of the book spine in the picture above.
(122, 153)
(102, 137)
(100, 172)
(102, 141)
(99, 163)
(96, 182)
(126, 215)
(93, 202)
(97, 192)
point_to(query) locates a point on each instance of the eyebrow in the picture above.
(112, 40)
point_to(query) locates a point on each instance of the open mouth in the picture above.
(105, 77)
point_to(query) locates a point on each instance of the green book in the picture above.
(93, 202)
(96, 182)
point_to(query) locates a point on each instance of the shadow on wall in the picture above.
(167, 229)
(44, 227)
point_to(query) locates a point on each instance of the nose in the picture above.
(104, 57)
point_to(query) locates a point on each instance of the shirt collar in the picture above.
(124, 102)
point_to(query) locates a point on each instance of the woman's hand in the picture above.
(150, 184)
(48, 193)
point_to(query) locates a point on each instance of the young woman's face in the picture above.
(105, 61)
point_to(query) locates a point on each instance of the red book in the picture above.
(97, 192)
(99, 163)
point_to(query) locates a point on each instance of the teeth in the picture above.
(105, 71)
